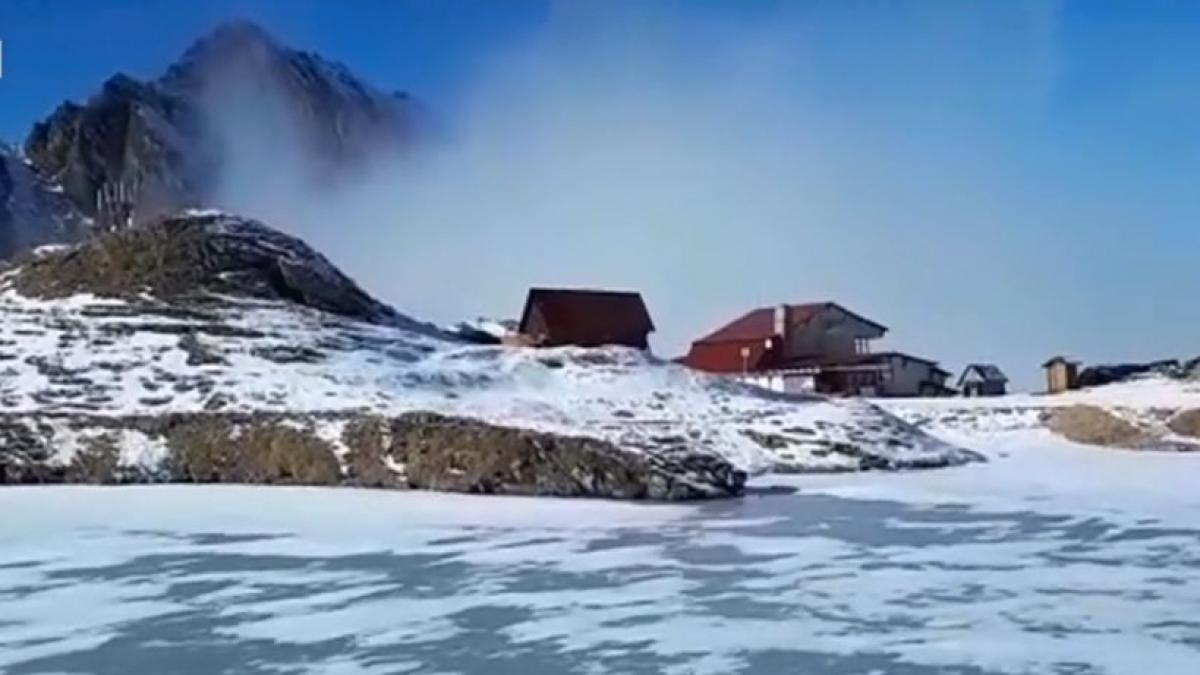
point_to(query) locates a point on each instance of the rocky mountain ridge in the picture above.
(33, 210)
(137, 150)
(194, 256)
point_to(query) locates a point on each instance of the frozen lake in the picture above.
(1079, 567)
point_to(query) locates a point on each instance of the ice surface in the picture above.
(1049, 558)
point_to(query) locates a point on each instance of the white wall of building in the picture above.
(784, 383)
(905, 376)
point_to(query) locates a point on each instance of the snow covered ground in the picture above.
(1049, 558)
(83, 355)
(1144, 399)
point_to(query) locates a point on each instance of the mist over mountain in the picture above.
(142, 149)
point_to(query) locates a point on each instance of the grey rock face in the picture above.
(32, 212)
(461, 455)
(411, 451)
(138, 150)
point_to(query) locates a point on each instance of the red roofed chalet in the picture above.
(813, 347)
(585, 318)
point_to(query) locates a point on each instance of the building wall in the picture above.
(784, 383)
(992, 388)
(977, 387)
(535, 328)
(537, 333)
(850, 382)
(905, 377)
(832, 333)
(1060, 377)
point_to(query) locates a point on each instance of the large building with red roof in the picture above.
(821, 347)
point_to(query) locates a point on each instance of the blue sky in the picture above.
(996, 181)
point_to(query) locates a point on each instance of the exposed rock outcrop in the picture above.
(1186, 423)
(191, 257)
(414, 450)
(33, 211)
(443, 453)
(1093, 425)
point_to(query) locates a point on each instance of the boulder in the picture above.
(1186, 423)
(1093, 425)
(464, 455)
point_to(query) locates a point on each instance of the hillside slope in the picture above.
(213, 315)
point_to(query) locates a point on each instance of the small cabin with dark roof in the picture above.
(585, 318)
(982, 379)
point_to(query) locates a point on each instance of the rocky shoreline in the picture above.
(417, 450)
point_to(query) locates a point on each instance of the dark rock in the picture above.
(289, 354)
(161, 145)
(767, 440)
(468, 333)
(368, 442)
(97, 461)
(197, 353)
(1093, 425)
(461, 455)
(208, 449)
(1186, 423)
(1094, 376)
(32, 213)
(414, 450)
(194, 257)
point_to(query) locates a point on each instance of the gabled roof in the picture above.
(933, 365)
(759, 324)
(987, 371)
(908, 357)
(587, 316)
(1058, 359)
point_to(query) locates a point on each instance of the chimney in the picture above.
(780, 328)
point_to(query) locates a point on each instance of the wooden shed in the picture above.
(1062, 374)
(585, 318)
